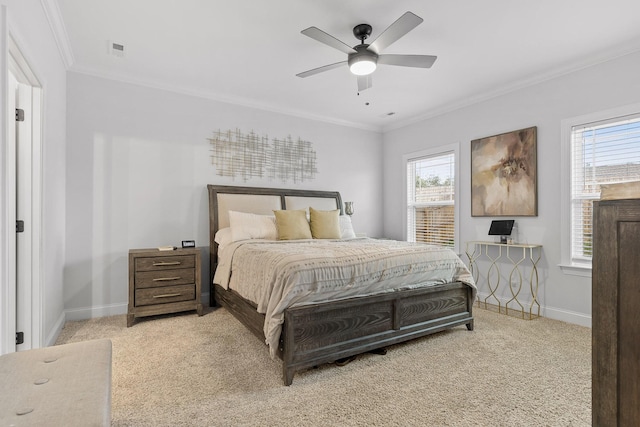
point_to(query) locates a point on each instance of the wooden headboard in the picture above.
(262, 201)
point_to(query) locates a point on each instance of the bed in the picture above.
(310, 333)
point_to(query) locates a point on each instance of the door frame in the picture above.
(13, 61)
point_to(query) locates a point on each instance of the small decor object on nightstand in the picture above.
(348, 208)
(188, 243)
(163, 281)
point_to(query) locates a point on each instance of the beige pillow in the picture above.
(292, 225)
(251, 226)
(325, 224)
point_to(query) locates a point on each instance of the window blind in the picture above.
(431, 199)
(606, 151)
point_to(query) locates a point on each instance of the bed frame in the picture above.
(322, 333)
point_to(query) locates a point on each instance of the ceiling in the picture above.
(248, 52)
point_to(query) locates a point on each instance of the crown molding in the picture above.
(183, 90)
(593, 60)
(54, 17)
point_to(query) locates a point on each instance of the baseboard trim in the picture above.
(96, 311)
(546, 311)
(568, 316)
(55, 332)
(105, 310)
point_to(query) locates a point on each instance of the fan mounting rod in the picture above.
(362, 32)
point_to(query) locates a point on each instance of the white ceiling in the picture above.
(249, 51)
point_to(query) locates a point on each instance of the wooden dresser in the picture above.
(163, 282)
(615, 305)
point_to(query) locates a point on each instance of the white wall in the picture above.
(138, 163)
(29, 27)
(544, 105)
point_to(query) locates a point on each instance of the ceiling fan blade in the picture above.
(364, 82)
(321, 69)
(329, 40)
(418, 61)
(402, 26)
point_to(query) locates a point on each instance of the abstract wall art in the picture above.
(504, 174)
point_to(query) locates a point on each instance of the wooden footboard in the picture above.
(321, 333)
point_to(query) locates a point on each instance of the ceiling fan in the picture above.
(363, 58)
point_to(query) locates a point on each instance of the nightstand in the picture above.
(162, 282)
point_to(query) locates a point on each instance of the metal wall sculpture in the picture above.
(247, 156)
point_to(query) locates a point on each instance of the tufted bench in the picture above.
(64, 385)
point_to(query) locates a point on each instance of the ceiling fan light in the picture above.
(362, 66)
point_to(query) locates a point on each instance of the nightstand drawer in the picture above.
(165, 294)
(165, 262)
(153, 279)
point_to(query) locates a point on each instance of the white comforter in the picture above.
(278, 274)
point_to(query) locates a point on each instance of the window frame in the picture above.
(567, 264)
(435, 151)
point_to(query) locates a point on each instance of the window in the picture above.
(602, 151)
(431, 191)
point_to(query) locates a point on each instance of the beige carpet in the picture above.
(185, 370)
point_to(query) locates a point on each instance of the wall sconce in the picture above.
(348, 208)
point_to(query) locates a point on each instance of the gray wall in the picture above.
(30, 28)
(138, 163)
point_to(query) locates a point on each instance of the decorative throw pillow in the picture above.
(292, 225)
(223, 237)
(325, 224)
(346, 228)
(246, 226)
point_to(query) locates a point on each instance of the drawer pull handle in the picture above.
(164, 263)
(167, 295)
(165, 279)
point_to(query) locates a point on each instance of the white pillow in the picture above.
(223, 237)
(246, 226)
(346, 228)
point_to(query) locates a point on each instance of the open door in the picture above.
(24, 217)
(28, 200)
(21, 288)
